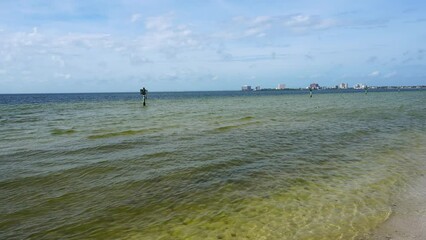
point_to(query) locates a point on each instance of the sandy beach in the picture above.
(408, 220)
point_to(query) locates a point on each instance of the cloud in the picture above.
(82, 40)
(261, 20)
(246, 27)
(159, 23)
(303, 22)
(299, 21)
(62, 75)
(255, 31)
(260, 26)
(135, 17)
(227, 57)
(207, 77)
(170, 37)
(164, 35)
(374, 74)
(58, 60)
(23, 39)
(138, 60)
(146, 41)
(40, 43)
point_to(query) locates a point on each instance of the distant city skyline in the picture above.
(120, 46)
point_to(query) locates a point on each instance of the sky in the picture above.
(60, 46)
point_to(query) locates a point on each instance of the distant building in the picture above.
(343, 86)
(360, 86)
(281, 86)
(314, 86)
(246, 88)
(257, 88)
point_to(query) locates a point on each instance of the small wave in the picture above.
(123, 133)
(231, 127)
(160, 154)
(58, 131)
(225, 128)
(22, 119)
(246, 118)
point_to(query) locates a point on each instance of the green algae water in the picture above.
(206, 166)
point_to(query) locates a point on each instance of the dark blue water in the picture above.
(129, 96)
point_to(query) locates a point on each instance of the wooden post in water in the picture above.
(144, 93)
(310, 92)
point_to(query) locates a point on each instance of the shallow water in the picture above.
(200, 166)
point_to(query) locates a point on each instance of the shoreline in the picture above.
(408, 218)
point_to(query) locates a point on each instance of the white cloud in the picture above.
(177, 37)
(243, 27)
(261, 20)
(305, 22)
(159, 23)
(34, 32)
(21, 39)
(135, 59)
(84, 40)
(62, 75)
(260, 26)
(58, 60)
(135, 17)
(299, 21)
(144, 45)
(374, 74)
(164, 36)
(256, 31)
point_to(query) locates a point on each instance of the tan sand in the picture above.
(408, 220)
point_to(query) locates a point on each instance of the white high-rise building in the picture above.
(343, 86)
(360, 86)
(281, 86)
(246, 88)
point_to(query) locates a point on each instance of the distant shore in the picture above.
(392, 88)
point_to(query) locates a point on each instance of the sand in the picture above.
(408, 220)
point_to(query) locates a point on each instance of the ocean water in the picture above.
(212, 165)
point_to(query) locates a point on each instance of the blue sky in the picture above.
(122, 45)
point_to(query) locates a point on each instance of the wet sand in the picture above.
(408, 220)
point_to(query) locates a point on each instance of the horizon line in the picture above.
(263, 89)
